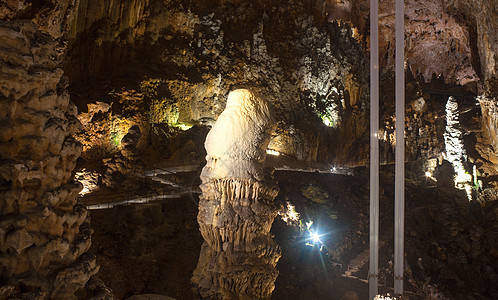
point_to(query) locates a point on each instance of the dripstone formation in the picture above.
(236, 211)
(44, 234)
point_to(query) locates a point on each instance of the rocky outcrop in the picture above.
(481, 17)
(487, 145)
(312, 72)
(307, 57)
(44, 234)
(436, 43)
(52, 16)
(236, 211)
(124, 164)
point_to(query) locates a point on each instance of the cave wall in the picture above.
(201, 52)
(309, 65)
(482, 17)
(309, 58)
(436, 43)
(486, 141)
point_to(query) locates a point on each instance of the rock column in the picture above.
(236, 211)
(44, 234)
(488, 147)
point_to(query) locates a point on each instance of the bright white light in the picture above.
(380, 297)
(272, 152)
(315, 237)
(182, 126)
(428, 174)
(462, 177)
(334, 169)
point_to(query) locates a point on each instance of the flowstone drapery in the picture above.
(236, 211)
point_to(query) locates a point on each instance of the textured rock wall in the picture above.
(489, 107)
(314, 72)
(482, 16)
(107, 32)
(487, 144)
(452, 39)
(436, 44)
(236, 210)
(44, 234)
(453, 248)
(305, 68)
(51, 16)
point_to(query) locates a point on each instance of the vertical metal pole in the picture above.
(399, 192)
(374, 149)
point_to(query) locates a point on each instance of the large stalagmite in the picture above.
(236, 211)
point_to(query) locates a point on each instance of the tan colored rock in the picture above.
(150, 297)
(43, 235)
(236, 210)
(482, 14)
(487, 143)
(70, 279)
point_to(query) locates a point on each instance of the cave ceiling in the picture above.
(310, 59)
(174, 62)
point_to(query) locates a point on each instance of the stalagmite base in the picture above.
(238, 257)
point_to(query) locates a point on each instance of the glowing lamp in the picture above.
(315, 237)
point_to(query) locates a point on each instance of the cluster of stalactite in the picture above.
(236, 211)
(44, 234)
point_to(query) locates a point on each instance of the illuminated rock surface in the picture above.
(44, 235)
(487, 144)
(236, 209)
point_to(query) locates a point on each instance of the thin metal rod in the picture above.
(374, 149)
(399, 182)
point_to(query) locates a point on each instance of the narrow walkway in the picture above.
(133, 197)
(171, 170)
(140, 200)
(155, 176)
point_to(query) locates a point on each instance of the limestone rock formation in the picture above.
(236, 211)
(307, 70)
(482, 17)
(487, 145)
(44, 234)
(123, 165)
(150, 297)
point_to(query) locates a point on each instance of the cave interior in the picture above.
(219, 149)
